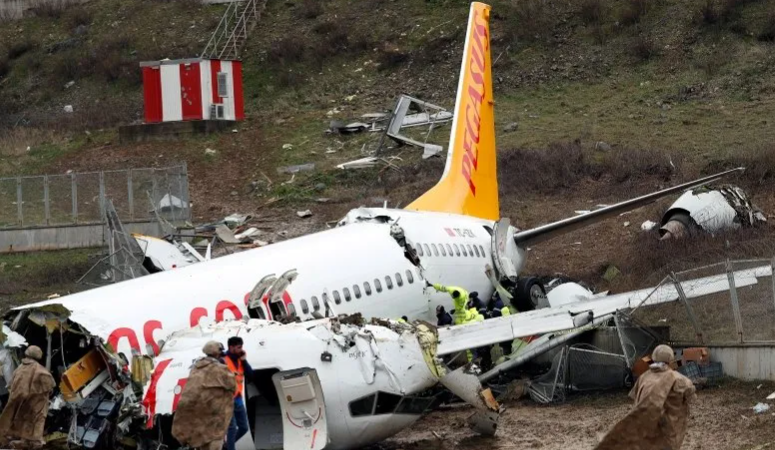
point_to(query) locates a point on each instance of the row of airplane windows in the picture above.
(446, 249)
(356, 291)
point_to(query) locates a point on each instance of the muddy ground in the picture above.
(721, 419)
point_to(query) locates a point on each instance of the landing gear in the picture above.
(529, 294)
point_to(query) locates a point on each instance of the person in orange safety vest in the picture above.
(237, 363)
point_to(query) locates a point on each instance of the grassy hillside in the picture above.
(675, 88)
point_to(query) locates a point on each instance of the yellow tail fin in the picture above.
(469, 184)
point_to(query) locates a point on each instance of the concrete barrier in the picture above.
(66, 236)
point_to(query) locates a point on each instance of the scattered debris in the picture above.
(513, 126)
(602, 146)
(626, 224)
(611, 272)
(296, 169)
(305, 213)
(370, 161)
(287, 146)
(337, 126)
(322, 200)
(771, 396)
(761, 407)
(69, 84)
(68, 108)
(235, 220)
(210, 152)
(247, 234)
(648, 225)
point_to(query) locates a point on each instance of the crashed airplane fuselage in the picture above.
(320, 384)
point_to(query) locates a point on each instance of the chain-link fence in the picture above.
(729, 302)
(80, 198)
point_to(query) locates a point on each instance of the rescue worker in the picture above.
(238, 365)
(442, 316)
(475, 303)
(496, 308)
(659, 418)
(23, 419)
(205, 406)
(459, 298)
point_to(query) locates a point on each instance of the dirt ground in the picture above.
(722, 419)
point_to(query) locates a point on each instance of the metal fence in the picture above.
(724, 303)
(80, 198)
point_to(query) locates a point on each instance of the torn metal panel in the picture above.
(711, 210)
(467, 386)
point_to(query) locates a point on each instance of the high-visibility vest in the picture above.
(239, 374)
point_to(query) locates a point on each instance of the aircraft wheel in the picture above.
(529, 294)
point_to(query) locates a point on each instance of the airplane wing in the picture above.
(580, 313)
(548, 231)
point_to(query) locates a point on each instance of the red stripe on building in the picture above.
(191, 91)
(152, 94)
(239, 104)
(215, 67)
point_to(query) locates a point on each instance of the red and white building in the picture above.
(192, 89)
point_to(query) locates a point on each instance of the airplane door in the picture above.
(303, 409)
(504, 250)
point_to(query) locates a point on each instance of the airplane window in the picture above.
(443, 252)
(386, 403)
(377, 285)
(419, 250)
(427, 250)
(476, 250)
(414, 405)
(388, 282)
(315, 303)
(463, 248)
(291, 309)
(346, 293)
(435, 250)
(337, 297)
(357, 291)
(457, 250)
(449, 249)
(409, 276)
(470, 251)
(304, 307)
(325, 298)
(481, 249)
(367, 288)
(363, 406)
(399, 280)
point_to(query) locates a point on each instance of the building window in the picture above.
(449, 249)
(337, 297)
(357, 291)
(419, 250)
(367, 288)
(346, 293)
(304, 306)
(223, 84)
(409, 276)
(388, 282)
(399, 280)
(463, 248)
(427, 250)
(315, 303)
(377, 285)
(457, 250)
(363, 406)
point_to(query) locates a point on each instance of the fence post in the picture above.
(46, 205)
(130, 194)
(689, 310)
(185, 194)
(19, 201)
(734, 299)
(102, 196)
(74, 195)
(772, 278)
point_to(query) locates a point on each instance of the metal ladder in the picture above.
(237, 22)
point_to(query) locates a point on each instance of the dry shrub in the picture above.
(709, 13)
(634, 11)
(391, 58)
(767, 34)
(560, 166)
(643, 48)
(14, 141)
(759, 166)
(18, 49)
(310, 9)
(80, 16)
(49, 8)
(5, 65)
(623, 164)
(592, 11)
(527, 20)
(289, 49)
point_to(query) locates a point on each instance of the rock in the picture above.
(322, 200)
(235, 131)
(210, 152)
(648, 225)
(611, 273)
(69, 84)
(68, 108)
(234, 193)
(303, 214)
(320, 186)
(287, 146)
(626, 224)
(80, 30)
(602, 146)
(511, 127)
